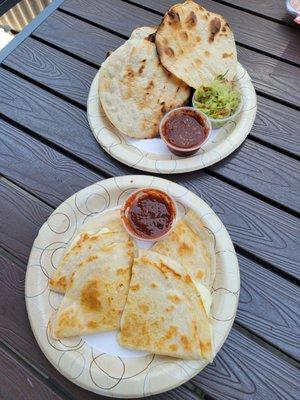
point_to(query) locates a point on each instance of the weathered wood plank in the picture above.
(257, 33)
(16, 332)
(275, 124)
(269, 307)
(274, 9)
(53, 177)
(270, 76)
(255, 374)
(18, 383)
(270, 233)
(77, 37)
(54, 69)
(264, 171)
(40, 169)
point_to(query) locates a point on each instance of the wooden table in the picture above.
(47, 152)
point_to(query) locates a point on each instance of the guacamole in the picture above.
(218, 99)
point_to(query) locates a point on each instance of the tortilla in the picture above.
(136, 91)
(196, 45)
(142, 32)
(96, 292)
(164, 313)
(97, 232)
(191, 244)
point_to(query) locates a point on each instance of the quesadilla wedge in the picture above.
(192, 245)
(96, 292)
(96, 233)
(164, 313)
(196, 45)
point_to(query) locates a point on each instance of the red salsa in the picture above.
(184, 130)
(149, 214)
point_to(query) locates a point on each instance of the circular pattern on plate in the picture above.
(95, 370)
(223, 141)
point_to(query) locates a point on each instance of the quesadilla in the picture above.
(96, 291)
(135, 91)
(192, 244)
(95, 235)
(196, 45)
(164, 313)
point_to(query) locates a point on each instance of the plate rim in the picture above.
(127, 180)
(124, 152)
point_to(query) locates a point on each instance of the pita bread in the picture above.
(136, 91)
(196, 45)
(96, 293)
(143, 32)
(164, 313)
(191, 244)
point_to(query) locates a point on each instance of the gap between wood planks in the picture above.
(217, 1)
(102, 174)
(84, 107)
(34, 370)
(273, 19)
(236, 325)
(233, 183)
(106, 174)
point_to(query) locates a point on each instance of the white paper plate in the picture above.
(97, 362)
(152, 155)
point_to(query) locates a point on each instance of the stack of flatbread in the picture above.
(159, 305)
(153, 71)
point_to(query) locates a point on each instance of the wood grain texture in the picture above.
(16, 332)
(274, 9)
(54, 69)
(20, 219)
(257, 33)
(278, 125)
(270, 76)
(269, 307)
(50, 117)
(267, 232)
(265, 171)
(40, 169)
(256, 374)
(275, 124)
(77, 37)
(18, 383)
(224, 372)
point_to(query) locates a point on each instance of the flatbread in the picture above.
(164, 313)
(136, 91)
(191, 244)
(142, 32)
(96, 293)
(196, 45)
